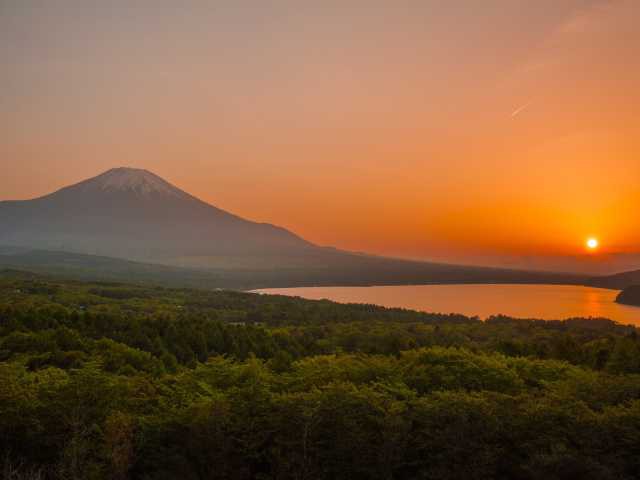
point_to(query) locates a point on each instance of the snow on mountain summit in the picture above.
(136, 180)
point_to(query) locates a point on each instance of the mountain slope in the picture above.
(352, 270)
(630, 296)
(135, 214)
(619, 281)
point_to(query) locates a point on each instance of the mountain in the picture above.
(619, 281)
(131, 224)
(132, 213)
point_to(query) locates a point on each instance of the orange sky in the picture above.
(501, 131)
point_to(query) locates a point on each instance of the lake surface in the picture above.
(524, 301)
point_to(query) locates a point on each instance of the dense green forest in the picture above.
(112, 381)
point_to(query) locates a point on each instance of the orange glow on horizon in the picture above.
(414, 131)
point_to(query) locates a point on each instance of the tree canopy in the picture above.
(111, 381)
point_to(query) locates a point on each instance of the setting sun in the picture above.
(592, 243)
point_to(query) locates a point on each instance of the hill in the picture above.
(619, 281)
(630, 296)
(354, 270)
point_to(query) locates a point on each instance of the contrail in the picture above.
(519, 110)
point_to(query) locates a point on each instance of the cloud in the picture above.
(521, 109)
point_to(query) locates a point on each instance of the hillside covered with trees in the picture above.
(113, 381)
(630, 296)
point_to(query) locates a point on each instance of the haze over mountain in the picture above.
(133, 214)
(618, 281)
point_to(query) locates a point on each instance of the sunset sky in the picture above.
(503, 133)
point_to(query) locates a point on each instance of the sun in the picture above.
(592, 243)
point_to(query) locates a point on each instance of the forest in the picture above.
(104, 380)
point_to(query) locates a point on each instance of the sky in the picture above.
(482, 131)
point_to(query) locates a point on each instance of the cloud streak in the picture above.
(521, 109)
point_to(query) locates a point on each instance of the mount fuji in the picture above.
(129, 222)
(135, 214)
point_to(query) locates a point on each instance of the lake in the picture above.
(524, 301)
